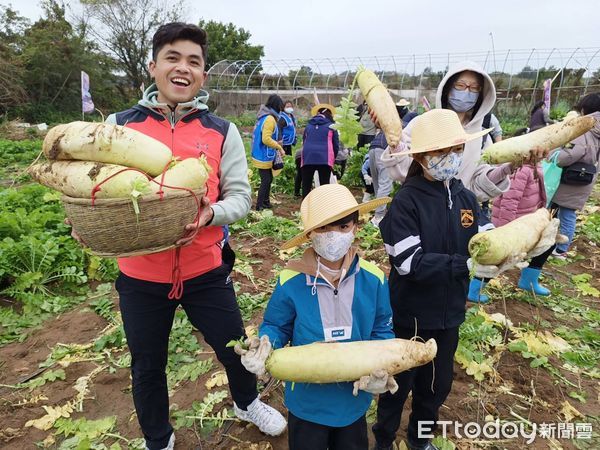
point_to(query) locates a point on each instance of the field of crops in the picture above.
(64, 364)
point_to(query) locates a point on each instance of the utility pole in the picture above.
(493, 51)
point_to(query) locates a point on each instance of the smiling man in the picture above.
(174, 111)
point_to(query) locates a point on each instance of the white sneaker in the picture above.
(267, 419)
(170, 445)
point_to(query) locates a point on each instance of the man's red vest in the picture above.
(197, 133)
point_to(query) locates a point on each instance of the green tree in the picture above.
(300, 77)
(124, 29)
(52, 57)
(226, 41)
(12, 26)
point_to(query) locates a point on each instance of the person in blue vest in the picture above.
(266, 142)
(320, 146)
(287, 124)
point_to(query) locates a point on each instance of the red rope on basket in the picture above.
(177, 288)
(177, 282)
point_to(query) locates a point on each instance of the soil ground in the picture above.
(531, 393)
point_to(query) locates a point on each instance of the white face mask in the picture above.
(443, 167)
(332, 245)
(289, 110)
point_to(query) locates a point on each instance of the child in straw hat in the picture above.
(330, 294)
(426, 233)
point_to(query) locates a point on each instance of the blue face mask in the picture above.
(462, 101)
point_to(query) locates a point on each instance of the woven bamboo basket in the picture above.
(111, 228)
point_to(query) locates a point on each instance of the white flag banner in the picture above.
(87, 105)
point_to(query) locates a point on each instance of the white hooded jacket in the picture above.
(472, 173)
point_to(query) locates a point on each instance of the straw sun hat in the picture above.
(325, 205)
(315, 109)
(403, 102)
(570, 115)
(438, 129)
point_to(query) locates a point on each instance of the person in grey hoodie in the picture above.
(584, 149)
(469, 91)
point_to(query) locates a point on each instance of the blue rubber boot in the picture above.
(529, 281)
(475, 294)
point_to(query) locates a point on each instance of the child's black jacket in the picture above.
(427, 245)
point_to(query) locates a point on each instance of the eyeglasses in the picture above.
(461, 86)
(444, 151)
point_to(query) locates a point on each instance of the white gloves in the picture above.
(400, 148)
(377, 383)
(485, 271)
(368, 180)
(254, 358)
(550, 236)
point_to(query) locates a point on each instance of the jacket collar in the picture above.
(150, 101)
(266, 111)
(308, 265)
(435, 188)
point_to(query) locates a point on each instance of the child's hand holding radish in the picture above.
(377, 383)
(253, 358)
(492, 271)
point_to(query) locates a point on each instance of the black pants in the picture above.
(537, 262)
(264, 190)
(486, 212)
(228, 256)
(342, 165)
(364, 140)
(369, 188)
(425, 402)
(298, 177)
(305, 435)
(210, 304)
(308, 171)
(287, 149)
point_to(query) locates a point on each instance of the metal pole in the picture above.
(329, 75)
(225, 70)
(347, 73)
(587, 81)
(493, 51)
(312, 75)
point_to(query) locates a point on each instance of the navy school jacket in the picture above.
(427, 246)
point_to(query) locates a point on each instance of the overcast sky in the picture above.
(331, 28)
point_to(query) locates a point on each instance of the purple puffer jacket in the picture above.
(526, 195)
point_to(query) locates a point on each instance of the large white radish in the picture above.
(381, 103)
(517, 148)
(495, 246)
(191, 173)
(78, 178)
(107, 143)
(333, 362)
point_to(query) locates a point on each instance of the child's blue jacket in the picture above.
(358, 310)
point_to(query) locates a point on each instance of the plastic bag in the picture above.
(552, 175)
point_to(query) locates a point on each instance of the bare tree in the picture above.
(124, 28)
(11, 89)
